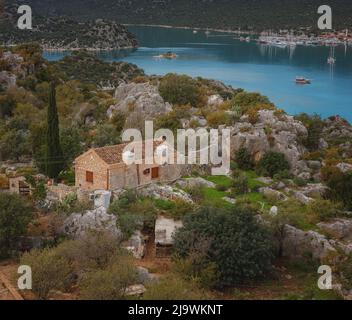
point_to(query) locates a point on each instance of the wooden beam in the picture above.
(10, 287)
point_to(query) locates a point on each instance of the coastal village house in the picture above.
(105, 169)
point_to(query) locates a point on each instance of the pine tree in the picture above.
(54, 162)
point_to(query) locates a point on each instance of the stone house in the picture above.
(19, 185)
(106, 169)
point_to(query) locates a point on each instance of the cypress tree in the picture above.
(54, 161)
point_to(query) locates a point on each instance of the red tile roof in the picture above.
(113, 154)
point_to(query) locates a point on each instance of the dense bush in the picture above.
(250, 99)
(133, 213)
(239, 246)
(340, 185)
(314, 125)
(322, 210)
(240, 184)
(49, 271)
(243, 159)
(95, 263)
(272, 163)
(109, 283)
(218, 118)
(15, 215)
(180, 89)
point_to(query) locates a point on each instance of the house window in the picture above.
(146, 172)
(155, 173)
(89, 176)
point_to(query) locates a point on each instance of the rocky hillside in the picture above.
(61, 33)
(224, 14)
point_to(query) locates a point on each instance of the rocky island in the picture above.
(62, 33)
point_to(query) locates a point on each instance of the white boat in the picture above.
(303, 80)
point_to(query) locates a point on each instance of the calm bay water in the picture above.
(254, 67)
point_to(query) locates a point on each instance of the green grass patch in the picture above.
(223, 181)
(252, 182)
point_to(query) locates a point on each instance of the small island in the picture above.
(168, 55)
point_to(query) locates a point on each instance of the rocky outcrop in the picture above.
(215, 100)
(280, 133)
(301, 197)
(197, 182)
(141, 99)
(164, 192)
(344, 167)
(314, 190)
(340, 229)
(298, 243)
(135, 244)
(79, 224)
(272, 194)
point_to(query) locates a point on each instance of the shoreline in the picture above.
(192, 28)
(87, 49)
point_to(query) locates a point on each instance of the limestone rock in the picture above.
(284, 136)
(195, 182)
(298, 243)
(344, 167)
(338, 228)
(165, 192)
(301, 197)
(78, 224)
(271, 193)
(144, 276)
(215, 100)
(135, 244)
(314, 190)
(229, 200)
(139, 99)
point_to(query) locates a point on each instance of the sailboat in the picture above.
(332, 59)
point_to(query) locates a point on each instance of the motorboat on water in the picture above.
(303, 80)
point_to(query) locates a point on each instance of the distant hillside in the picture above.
(65, 33)
(246, 14)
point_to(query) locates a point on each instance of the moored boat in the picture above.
(303, 80)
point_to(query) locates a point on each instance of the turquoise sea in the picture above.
(254, 67)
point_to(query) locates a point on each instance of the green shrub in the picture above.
(218, 118)
(273, 163)
(180, 89)
(322, 210)
(240, 246)
(340, 185)
(15, 215)
(240, 185)
(68, 176)
(243, 159)
(49, 271)
(300, 182)
(109, 283)
(70, 204)
(314, 126)
(173, 287)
